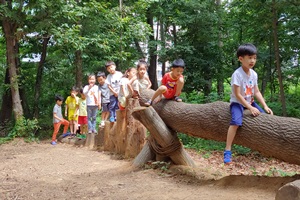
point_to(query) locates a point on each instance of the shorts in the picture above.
(82, 120)
(237, 111)
(105, 107)
(169, 94)
(72, 118)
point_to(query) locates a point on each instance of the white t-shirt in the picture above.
(114, 81)
(246, 84)
(124, 82)
(91, 95)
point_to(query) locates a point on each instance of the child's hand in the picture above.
(116, 94)
(254, 111)
(268, 110)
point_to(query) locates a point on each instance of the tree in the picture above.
(269, 134)
(10, 26)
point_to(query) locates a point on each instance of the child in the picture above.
(58, 119)
(126, 88)
(82, 114)
(103, 97)
(243, 89)
(92, 102)
(172, 83)
(141, 81)
(113, 82)
(70, 111)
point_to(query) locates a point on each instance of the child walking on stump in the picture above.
(243, 90)
(171, 84)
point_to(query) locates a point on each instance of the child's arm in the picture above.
(149, 82)
(56, 117)
(99, 99)
(113, 91)
(261, 100)
(66, 110)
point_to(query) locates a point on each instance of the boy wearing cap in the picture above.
(171, 84)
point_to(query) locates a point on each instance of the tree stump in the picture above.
(290, 191)
(136, 132)
(163, 136)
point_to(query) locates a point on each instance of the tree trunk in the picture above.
(164, 137)
(78, 65)
(39, 76)
(277, 57)
(271, 135)
(153, 56)
(9, 30)
(6, 107)
(290, 191)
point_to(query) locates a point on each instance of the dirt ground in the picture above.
(41, 171)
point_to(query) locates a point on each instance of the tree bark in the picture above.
(153, 56)
(271, 135)
(290, 191)
(277, 57)
(78, 65)
(39, 76)
(162, 135)
(9, 30)
(6, 107)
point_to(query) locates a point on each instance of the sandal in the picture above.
(178, 99)
(148, 103)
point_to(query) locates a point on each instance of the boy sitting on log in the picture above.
(172, 84)
(243, 90)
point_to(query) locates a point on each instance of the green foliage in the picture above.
(25, 128)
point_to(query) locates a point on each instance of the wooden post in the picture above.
(290, 191)
(161, 134)
(136, 132)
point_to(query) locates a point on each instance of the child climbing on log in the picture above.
(58, 119)
(126, 88)
(141, 81)
(171, 84)
(103, 97)
(113, 81)
(243, 90)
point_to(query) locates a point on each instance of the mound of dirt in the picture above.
(41, 171)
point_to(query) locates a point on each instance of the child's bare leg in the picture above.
(75, 126)
(72, 126)
(180, 83)
(105, 116)
(230, 136)
(158, 92)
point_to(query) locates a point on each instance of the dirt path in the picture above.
(41, 171)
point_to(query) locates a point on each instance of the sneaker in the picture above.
(227, 157)
(102, 123)
(112, 119)
(148, 103)
(177, 98)
(53, 143)
(66, 134)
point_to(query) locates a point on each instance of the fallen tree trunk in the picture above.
(167, 141)
(270, 135)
